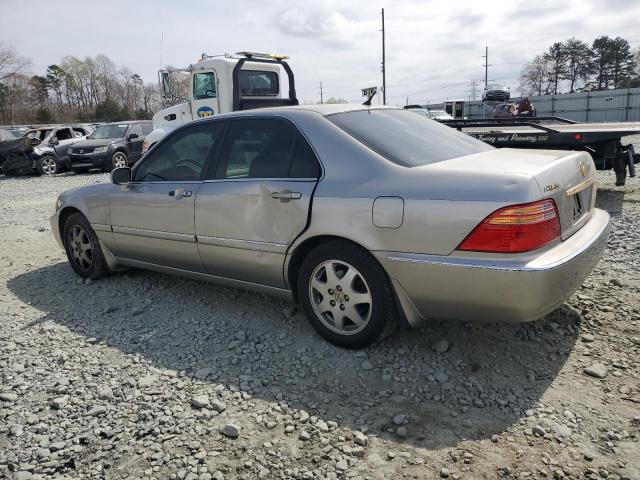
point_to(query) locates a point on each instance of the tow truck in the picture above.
(223, 83)
(602, 140)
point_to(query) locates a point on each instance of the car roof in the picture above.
(323, 109)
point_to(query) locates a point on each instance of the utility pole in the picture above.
(321, 100)
(486, 65)
(384, 80)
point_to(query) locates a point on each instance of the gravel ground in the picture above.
(142, 375)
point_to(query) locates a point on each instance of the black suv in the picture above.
(113, 145)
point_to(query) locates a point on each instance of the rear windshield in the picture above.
(405, 138)
(254, 83)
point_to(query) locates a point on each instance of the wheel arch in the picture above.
(65, 213)
(302, 250)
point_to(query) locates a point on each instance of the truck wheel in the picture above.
(346, 294)
(620, 168)
(47, 165)
(119, 160)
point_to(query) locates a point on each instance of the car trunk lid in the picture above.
(566, 177)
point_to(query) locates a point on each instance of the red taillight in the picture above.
(515, 229)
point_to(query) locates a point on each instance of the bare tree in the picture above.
(11, 63)
(534, 76)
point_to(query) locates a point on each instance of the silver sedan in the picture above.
(365, 216)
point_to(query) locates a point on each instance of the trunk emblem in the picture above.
(583, 169)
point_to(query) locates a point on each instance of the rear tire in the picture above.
(83, 248)
(354, 312)
(47, 165)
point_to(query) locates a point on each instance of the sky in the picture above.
(434, 48)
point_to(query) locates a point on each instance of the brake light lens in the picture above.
(515, 229)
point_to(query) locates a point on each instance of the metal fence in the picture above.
(621, 105)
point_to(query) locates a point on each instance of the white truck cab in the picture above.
(224, 83)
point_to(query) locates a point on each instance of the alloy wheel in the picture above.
(49, 165)
(119, 160)
(80, 248)
(340, 297)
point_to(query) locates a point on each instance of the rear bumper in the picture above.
(495, 289)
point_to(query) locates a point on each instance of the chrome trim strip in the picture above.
(101, 227)
(244, 179)
(492, 265)
(229, 282)
(243, 244)
(580, 186)
(138, 232)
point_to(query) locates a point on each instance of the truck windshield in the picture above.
(405, 138)
(109, 131)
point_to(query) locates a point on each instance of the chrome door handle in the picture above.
(286, 195)
(180, 192)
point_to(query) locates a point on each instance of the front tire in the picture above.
(346, 294)
(83, 248)
(47, 165)
(119, 160)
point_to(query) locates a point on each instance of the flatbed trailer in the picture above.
(601, 140)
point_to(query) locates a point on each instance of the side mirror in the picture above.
(121, 175)
(133, 136)
(54, 140)
(165, 84)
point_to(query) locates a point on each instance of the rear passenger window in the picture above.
(266, 148)
(305, 163)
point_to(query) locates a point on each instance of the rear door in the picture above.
(153, 217)
(256, 203)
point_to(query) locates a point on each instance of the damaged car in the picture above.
(366, 216)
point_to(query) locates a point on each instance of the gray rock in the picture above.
(8, 397)
(561, 432)
(587, 338)
(230, 430)
(59, 403)
(105, 393)
(402, 431)
(440, 346)
(218, 406)
(400, 419)
(444, 472)
(147, 381)
(96, 411)
(200, 401)
(366, 365)
(360, 438)
(202, 373)
(441, 377)
(597, 370)
(539, 431)
(304, 436)
(322, 426)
